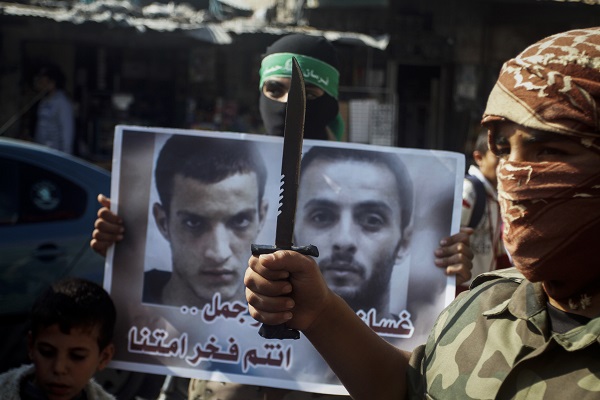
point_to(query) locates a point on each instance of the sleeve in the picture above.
(468, 201)
(416, 375)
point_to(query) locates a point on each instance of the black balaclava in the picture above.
(320, 111)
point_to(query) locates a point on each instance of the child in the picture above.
(72, 326)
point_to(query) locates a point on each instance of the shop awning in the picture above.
(199, 24)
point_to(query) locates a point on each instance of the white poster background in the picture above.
(222, 342)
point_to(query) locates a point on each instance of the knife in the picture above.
(290, 173)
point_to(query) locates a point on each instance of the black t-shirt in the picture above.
(562, 321)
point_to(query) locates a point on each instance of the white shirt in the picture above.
(486, 240)
(55, 122)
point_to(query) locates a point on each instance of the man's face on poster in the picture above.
(209, 227)
(350, 210)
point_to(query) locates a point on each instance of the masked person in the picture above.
(320, 66)
(527, 332)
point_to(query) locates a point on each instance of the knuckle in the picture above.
(254, 313)
(247, 276)
(250, 297)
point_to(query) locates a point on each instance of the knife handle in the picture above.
(281, 331)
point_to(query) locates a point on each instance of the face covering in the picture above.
(319, 113)
(551, 214)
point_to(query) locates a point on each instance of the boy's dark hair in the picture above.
(208, 160)
(389, 160)
(75, 303)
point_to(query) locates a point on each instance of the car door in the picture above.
(46, 219)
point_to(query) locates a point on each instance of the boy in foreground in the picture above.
(72, 326)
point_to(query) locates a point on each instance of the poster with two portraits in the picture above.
(176, 276)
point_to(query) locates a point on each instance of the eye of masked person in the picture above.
(535, 146)
(277, 89)
(546, 152)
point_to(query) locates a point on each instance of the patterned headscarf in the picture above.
(553, 85)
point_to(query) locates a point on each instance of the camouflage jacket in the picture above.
(494, 342)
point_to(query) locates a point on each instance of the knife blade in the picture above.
(288, 195)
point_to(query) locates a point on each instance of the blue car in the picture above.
(47, 211)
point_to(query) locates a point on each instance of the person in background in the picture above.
(532, 331)
(72, 326)
(481, 211)
(55, 125)
(320, 66)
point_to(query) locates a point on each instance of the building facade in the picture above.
(414, 73)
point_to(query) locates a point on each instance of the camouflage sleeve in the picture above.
(494, 342)
(464, 307)
(416, 372)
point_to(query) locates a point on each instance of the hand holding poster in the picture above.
(193, 202)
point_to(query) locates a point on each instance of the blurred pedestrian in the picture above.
(55, 125)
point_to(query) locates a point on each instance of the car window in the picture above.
(9, 194)
(30, 194)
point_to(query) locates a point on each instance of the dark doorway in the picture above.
(418, 105)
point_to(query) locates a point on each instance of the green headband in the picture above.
(315, 71)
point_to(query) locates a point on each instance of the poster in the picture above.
(193, 202)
